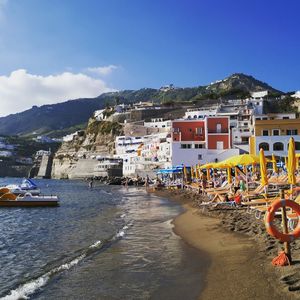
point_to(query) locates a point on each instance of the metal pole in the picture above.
(287, 249)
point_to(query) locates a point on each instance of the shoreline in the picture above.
(239, 251)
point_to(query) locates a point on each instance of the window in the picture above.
(198, 130)
(198, 146)
(265, 132)
(285, 118)
(278, 146)
(276, 131)
(176, 130)
(257, 118)
(199, 156)
(264, 146)
(264, 118)
(186, 146)
(291, 132)
(219, 128)
(297, 145)
(245, 124)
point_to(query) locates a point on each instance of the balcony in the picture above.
(217, 131)
(198, 136)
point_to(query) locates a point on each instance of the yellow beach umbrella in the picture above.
(263, 168)
(275, 169)
(207, 166)
(184, 172)
(291, 165)
(229, 177)
(196, 172)
(243, 160)
(285, 161)
(221, 165)
(192, 172)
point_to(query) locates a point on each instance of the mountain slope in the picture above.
(58, 117)
(239, 81)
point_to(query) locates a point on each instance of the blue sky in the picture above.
(149, 43)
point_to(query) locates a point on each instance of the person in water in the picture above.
(91, 183)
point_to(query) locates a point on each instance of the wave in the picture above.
(27, 289)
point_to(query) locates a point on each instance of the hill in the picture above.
(63, 117)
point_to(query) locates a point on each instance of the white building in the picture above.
(259, 94)
(199, 113)
(144, 154)
(43, 152)
(158, 123)
(99, 114)
(277, 145)
(296, 95)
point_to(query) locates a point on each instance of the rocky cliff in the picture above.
(76, 159)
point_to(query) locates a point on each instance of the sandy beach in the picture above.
(239, 249)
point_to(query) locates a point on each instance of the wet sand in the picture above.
(239, 249)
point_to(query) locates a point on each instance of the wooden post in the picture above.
(247, 187)
(287, 249)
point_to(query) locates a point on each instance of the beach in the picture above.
(239, 250)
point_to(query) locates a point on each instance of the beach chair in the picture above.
(225, 185)
(258, 191)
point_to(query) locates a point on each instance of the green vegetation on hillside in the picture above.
(280, 106)
(104, 128)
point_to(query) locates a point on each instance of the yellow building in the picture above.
(273, 135)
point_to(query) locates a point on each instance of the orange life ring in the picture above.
(272, 230)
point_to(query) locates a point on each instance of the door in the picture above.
(219, 128)
(220, 145)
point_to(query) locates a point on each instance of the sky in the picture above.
(52, 51)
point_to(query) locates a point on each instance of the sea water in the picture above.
(107, 242)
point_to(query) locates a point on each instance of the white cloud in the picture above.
(102, 71)
(20, 90)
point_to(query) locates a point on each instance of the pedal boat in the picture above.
(27, 200)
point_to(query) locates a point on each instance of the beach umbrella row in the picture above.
(249, 159)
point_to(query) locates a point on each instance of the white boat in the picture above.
(27, 186)
(27, 200)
